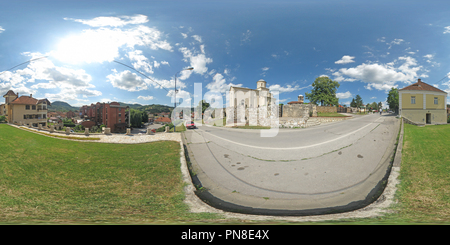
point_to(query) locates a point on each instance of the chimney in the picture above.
(31, 95)
(419, 80)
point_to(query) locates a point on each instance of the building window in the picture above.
(413, 99)
(33, 107)
(24, 116)
(120, 120)
(435, 100)
(27, 107)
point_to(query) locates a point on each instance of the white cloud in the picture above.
(103, 44)
(184, 35)
(198, 38)
(220, 85)
(345, 60)
(139, 61)
(72, 83)
(397, 41)
(145, 97)
(197, 60)
(345, 95)
(265, 68)
(1, 29)
(447, 29)
(112, 21)
(429, 59)
(381, 76)
(127, 81)
(287, 88)
(246, 37)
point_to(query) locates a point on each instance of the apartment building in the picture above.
(113, 115)
(25, 109)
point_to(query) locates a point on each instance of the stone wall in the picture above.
(295, 122)
(260, 116)
(326, 109)
(299, 110)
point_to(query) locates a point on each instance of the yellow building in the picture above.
(25, 109)
(422, 103)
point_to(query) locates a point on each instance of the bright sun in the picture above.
(89, 47)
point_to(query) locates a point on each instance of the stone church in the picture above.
(255, 107)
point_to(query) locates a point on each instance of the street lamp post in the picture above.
(175, 95)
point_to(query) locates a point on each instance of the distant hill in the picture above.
(132, 106)
(65, 107)
(62, 106)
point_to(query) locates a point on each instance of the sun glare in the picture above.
(89, 47)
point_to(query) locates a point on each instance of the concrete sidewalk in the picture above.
(111, 138)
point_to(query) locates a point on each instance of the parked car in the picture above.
(190, 124)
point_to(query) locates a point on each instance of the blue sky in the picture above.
(367, 47)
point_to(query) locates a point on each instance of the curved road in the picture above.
(330, 168)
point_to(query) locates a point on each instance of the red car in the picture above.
(190, 124)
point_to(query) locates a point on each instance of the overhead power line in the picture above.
(23, 63)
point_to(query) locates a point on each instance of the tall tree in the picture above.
(353, 103)
(380, 106)
(204, 105)
(358, 100)
(144, 117)
(323, 92)
(392, 99)
(135, 118)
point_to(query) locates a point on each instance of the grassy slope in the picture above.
(423, 192)
(425, 179)
(44, 179)
(41, 179)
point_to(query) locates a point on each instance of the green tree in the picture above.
(144, 117)
(358, 100)
(380, 106)
(2, 118)
(392, 99)
(323, 92)
(204, 105)
(135, 118)
(353, 103)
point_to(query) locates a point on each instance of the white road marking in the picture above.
(294, 148)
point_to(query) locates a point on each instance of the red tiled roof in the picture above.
(419, 85)
(25, 100)
(295, 102)
(163, 119)
(10, 92)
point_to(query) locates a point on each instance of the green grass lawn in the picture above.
(49, 180)
(329, 114)
(423, 194)
(425, 174)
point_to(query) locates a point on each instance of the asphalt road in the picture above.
(329, 168)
